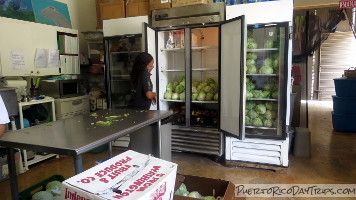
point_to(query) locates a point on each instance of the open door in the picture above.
(150, 47)
(232, 76)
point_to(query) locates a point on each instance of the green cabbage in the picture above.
(251, 44)
(54, 187)
(257, 94)
(170, 87)
(266, 94)
(210, 81)
(250, 105)
(180, 89)
(195, 194)
(194, 96)
(268, 62)
(251, 70)
(269, 105)
(269, 44)
(208, 89)
(209, 198)
(182, 96)
(194, 89)
(209, 96)
(252, 114)
(274, 114)
(268, 115)
(182, 190)
(216, 97)
(175, 96)
(219, 198)
(181, 79)
(260, 109)
(250, 62)
(42, 195)
(275, 95)
(249, 95)
(195, 83)
(266, 70)
(251, 56)
(248, 121)
(201, 96)
(168, 95)
(257, 122)
(267, 123)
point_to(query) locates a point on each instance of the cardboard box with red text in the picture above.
(155, 179)
(205, 187)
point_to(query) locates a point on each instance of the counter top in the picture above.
(81, 133)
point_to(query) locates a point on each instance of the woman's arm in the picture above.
(2, 129)
(151, 95)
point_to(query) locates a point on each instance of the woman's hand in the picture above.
(154, 101)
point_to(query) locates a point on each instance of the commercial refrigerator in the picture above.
(200, 73)
(267, 98)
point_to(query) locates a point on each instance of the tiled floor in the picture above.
(333, 161)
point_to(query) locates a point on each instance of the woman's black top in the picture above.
(138, 93)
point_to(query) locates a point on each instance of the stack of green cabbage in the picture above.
(261, 114)
(176, 90)
(182, 191)
(269, 90)
(207, 91)
(270, 65)
(53, 192)
(251, 44)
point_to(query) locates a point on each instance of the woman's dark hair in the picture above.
(139, 66)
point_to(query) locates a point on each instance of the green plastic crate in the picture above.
(27, 193)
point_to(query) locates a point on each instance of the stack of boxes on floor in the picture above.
(344, 104)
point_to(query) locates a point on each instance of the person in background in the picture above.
(4, 117)
(141, 92)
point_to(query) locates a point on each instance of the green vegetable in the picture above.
(182, 190)
(274, 114)
(267, 123)
(182, 96)
(179, 89)
(170, 87)
(268, 115)
(250, 105)
(194, 89)
(219, 198)
(249, 95)
(195, 83)
(266, 70)
(168, 95)
(252, 114)
(216, 97)
(208, 89)
(266, 94)
(267, 62)
(181, 79)
(251, 70)
(257, 94)
(250, 62)
(260, 109)
(209, 81)
(257, 122)
(201, 96)
(103, 123)
(269, 105)
(195, 194)
(42, 195)
(209, 198)
(248, 121)
(209, 96)
(175, 96)
(269, 44)
(194, 96)
(251, 56)
(251, 44)
(249, 85)
(54, 187)
(275, 95)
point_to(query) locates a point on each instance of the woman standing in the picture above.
(141, 90)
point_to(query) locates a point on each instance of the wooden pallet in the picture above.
(234, 164)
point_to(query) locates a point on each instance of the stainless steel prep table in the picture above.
(78, 135)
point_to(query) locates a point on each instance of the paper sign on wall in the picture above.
(18, 60)
(46, 58)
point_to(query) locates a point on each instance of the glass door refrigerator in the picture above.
(267, 97)
(190, 79)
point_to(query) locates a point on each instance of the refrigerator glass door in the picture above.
(150, 47)
(266, 80)
(121, 53)
(172, 70)
(204, 77)
(232, 76)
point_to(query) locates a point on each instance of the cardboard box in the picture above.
(179, 3)
(205, 187)
(137, 8)
(155, 179)
(160, 4)
(112, 10)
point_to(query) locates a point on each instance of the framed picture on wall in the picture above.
(52, 13)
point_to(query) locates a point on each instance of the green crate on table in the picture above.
(40, 186)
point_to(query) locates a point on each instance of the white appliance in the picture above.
(257, 147)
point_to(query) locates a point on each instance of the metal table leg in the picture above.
(78, 162)
(13, 175)
(159, 137)
(110, 149)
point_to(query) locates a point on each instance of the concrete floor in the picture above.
(333, 161)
